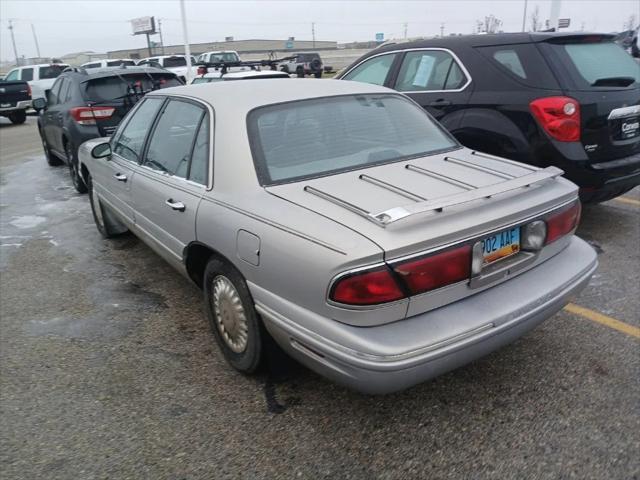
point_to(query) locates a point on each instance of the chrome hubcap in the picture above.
(229, 314)
(96, 207)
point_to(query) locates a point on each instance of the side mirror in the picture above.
(39, 104)
(102, 150)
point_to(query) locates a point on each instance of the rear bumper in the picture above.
(386, 358)
(21, 105)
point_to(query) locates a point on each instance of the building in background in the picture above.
(79, 58)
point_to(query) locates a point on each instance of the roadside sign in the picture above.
(289, 44)
(143, 25)
(379, 37)
(564, 22)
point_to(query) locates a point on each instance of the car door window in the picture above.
(200, 157)
(429, 70)
(130, 142)
(54, 93)
(64, 91)
(171, 142)
(511, 61)
(12, 75)
(374, 70)
(92, 65)
(27, 74)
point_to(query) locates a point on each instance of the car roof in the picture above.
(254, 73)
(105, 72)
(238, 98)
(454, 41)
(44, 65)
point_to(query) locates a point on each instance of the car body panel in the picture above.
(303, 242)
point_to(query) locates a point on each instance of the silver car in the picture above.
(380, 255)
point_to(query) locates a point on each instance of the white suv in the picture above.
(39, 77)
(109, 63)
(174, 63)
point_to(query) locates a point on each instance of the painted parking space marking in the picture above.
(603, 320)
(628, 201)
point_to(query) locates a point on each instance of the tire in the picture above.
(300, 72)
(19, 117)
(232, 317)
(72, 160)
(52, 160)
(285, 69)
(316, 64)
(99, 214)
(318, 74)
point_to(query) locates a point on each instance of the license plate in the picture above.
(501, 245)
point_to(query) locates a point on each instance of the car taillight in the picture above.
(202, 70)
(559, 116)
(562, 223)
(89, 115)
(435, 271)
(29, 90)
(369, 287)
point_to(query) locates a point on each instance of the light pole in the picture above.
(13, 40)
(524, 16)
(35, 39)
(187, 47)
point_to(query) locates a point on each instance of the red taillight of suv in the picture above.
(202, 70)
(29, 90)
(89, 115)
(563, 222)
(559, 116)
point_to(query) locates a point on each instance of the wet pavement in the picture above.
(108, 369)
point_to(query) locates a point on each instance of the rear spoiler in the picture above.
(395, 214)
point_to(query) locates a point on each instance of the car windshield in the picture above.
(175, 62)
(223, 57)
(51, 71)
(598, 61)
(206, 79)
(313, 138)
(109, 88)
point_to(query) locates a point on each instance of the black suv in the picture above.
(81, 106)
(570, 100)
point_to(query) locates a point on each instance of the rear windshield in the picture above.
(206, 79)
(313, 138)
(223, 57)
(116, 88)
(51, 71)
(307, 57)
(175, 62)
(117, 63)
(598, 64)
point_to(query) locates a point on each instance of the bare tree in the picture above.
(631, 23)
(490, 24)
(536, 23)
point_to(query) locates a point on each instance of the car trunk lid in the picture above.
(415, 205)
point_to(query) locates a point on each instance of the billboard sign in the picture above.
(143, 25)
(379, 37)
(564, 22)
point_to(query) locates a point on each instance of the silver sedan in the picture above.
(341, 220)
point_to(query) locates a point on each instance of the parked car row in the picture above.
(345, 220)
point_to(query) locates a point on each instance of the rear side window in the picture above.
(374, 70)
(521, 62)
(200, 157)
(51, 71)
(511, 61)
(427, 70)
(128, 144)
(12, 75)
(599, 61)
(174, 62)
(92, 65)
(27, 74)
(170, 146)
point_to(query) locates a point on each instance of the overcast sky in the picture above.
(79, 25)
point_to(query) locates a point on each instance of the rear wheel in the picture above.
(232, 317)
(49, 157)
(18, 117)
(74, 171)
(300, 72)
(100, 216)
(318, 74)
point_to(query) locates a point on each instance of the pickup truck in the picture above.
(15, 98)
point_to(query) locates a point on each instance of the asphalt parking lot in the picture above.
(108, 370)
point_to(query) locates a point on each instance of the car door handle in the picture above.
(120, 177)
(178, 206)
(439, 103)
